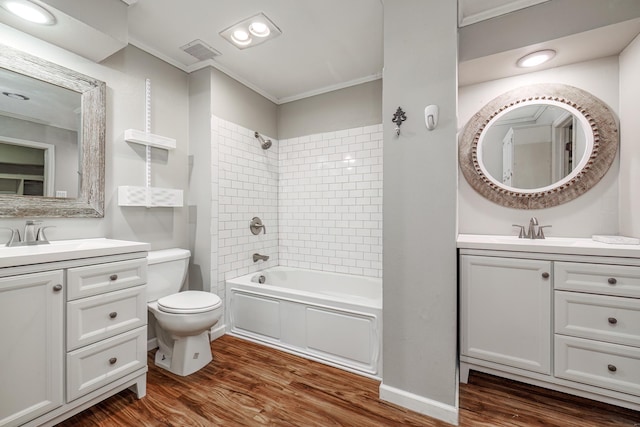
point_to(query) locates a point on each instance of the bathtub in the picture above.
(328, 317)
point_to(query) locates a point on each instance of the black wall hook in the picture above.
(398, 118)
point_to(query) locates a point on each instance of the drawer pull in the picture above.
(115, 277)
(612, 280)
(612, 368)
(612, 320)
(545, 275)
(114, 314)
(113, 361)
(57, 288)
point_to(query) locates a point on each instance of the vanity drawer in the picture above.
(96, 365)
(599, 317)
(97, 279)
(611, 366)
(617, 280)
(102, 316)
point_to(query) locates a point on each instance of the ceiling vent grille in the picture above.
(200, 50)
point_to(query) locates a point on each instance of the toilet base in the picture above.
(189, 354)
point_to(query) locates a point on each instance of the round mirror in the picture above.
(538, 146)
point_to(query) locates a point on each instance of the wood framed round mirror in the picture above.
(538, 146)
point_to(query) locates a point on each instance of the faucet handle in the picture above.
(521, 233)
(15, 233)
(540, 234)
(40, 236)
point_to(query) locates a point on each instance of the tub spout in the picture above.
(258, 257)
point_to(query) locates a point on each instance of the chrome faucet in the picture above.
(30, 231)
(534, 231)
(32, 235)
(258, 257)
(533, 223)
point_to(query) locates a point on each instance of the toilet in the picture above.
(183, 319)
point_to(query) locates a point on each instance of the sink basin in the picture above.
(61, 250)
(557, 245)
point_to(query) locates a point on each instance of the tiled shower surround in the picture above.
(330, 201)
(319, 196)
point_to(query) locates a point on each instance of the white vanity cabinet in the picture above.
(506, 311)
(32, 347)
(73, 328)
(561, 315)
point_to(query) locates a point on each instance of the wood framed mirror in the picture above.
(91, 117)
(538, 146)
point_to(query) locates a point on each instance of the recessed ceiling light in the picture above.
(241, 37)
(258, 26)
(29, 11)
(536, 58)
(17, 96)
(259, 29)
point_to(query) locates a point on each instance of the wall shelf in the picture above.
(149, 197)
(150, 139)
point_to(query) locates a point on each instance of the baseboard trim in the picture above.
(152, 343)
(422, 405)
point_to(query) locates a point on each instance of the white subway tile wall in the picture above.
(330, 201)
(247, 186)
(319, 196)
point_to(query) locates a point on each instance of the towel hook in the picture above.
(398, 118)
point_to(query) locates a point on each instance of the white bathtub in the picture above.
(328, 317)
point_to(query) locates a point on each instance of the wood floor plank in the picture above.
(248, 384)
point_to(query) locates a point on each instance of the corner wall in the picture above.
(630, 134)
(420, 289)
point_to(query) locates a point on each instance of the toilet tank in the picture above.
(166, 272)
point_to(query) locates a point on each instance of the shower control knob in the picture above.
(256, 226)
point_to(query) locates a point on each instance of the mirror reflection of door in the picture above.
(507, 158)
(533, 146)
(26, 167)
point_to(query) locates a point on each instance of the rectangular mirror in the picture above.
(52, 136)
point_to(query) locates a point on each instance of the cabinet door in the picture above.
(506, 311)
(31, 346)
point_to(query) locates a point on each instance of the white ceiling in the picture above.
(330, 44)
(324, 45)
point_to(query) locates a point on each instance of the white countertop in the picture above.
(62, 250)
(551, 245)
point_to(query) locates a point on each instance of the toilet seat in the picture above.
(189, 302)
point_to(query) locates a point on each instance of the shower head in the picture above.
(264, 144)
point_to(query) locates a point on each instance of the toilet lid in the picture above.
(189, 302)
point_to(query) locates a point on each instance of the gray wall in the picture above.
(419, 270)
(347, 108)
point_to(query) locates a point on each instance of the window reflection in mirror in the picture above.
(39, 137)
(532, 146)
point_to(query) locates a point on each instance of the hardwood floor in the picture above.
(252, 385)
